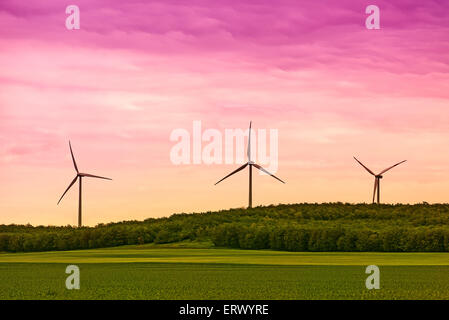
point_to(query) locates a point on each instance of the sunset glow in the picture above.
(137, 70)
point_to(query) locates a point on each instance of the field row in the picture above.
(209, 281)
(161, 254)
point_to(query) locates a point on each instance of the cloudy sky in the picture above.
(137, 70)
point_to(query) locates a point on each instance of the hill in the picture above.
(293, 227)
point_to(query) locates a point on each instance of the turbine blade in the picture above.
(70, 185)
(262, 169)
(366, 168)
(92, 176)
(235, 171)
(249, 143)
(73, 158)
(392, 167)
(375, 188)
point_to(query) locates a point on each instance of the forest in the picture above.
(293, 227)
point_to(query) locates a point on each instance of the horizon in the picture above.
(134, 72)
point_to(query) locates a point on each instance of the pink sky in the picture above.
(136, 70)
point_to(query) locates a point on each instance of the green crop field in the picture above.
(196, 271)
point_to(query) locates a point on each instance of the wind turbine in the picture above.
(251, 164)
(377, 178)
(79, 176)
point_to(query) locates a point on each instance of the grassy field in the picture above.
(195, 271)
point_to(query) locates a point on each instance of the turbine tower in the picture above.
(79, 176)
(251, 164)
(377, 178)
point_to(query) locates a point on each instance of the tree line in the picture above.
(295, 227)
